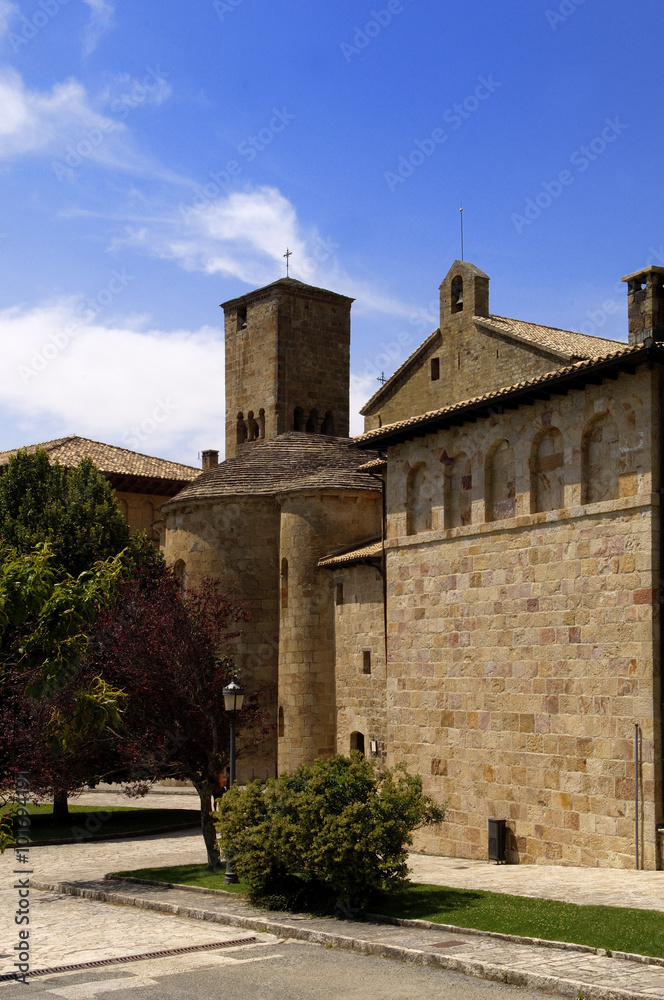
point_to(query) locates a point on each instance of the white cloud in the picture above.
(7, 12)
(244, 235)
(125, 92)
(154, 391)
(64, 125)
(101, 17)
(34, 122)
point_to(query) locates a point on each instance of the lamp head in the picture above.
(233, 696)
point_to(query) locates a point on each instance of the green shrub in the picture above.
(327, 836)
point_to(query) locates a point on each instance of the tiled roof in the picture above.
(401, 371)
(565, 344)
(108, 458)
(571, 345)
(422, 422)
(375, 465)
(372, 551)
(293, 461)
(292, 283)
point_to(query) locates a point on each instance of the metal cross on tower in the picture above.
(288, 255)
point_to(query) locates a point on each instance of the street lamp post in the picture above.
(233, 698)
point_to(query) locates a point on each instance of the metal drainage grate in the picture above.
(7, 977)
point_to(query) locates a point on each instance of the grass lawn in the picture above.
(615, 928)
(187, 875)
(86, 822)
(612, 927)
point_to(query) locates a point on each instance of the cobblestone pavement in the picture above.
(568, 970)
(68, 929)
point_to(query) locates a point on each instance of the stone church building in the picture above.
(472, 585)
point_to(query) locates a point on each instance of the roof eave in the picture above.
(401, 370)
(575, 376)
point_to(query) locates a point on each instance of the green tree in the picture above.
(326, 836)
(53, 712)
(64, 547)
(74, 510)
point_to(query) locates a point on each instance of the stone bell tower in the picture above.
(287, 363)
(645, 304)
(464, 293)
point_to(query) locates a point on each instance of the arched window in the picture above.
(418, 500)
(312, 422)
(180, 573)
(284, 584)
(500, 487)
(457, 294)
(458, 490)
(298, 419)
(600, 460)
(547, 486)
(147, 518)
(261, 423)
(328, 424)
(280, 722)
(241, 429)
(357, 741)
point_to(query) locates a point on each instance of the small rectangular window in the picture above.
(340, 594)
(435, 369)
(284, 584)
(366, 661)
(241, 317)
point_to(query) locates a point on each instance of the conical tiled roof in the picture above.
(293, 461)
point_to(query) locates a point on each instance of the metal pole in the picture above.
(636, 790)
(230, 878)
(231, 780)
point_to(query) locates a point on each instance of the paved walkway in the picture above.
(600, 886)
(603, 886)
(568, 970)
(66, 928)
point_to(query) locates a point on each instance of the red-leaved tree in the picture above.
(168, 652)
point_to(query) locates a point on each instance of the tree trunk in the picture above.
(208, 828)
(60, 806)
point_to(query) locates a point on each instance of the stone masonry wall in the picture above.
(237, 542)
(251, 369)
(522, 651)
(314, 360)
(471, 361)
(312, 524)
(293, 351)
(359, 629)
(140, 511)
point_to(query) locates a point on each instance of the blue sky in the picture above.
(158, 158)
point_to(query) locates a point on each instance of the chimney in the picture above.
(645, 305)
(210, 460)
